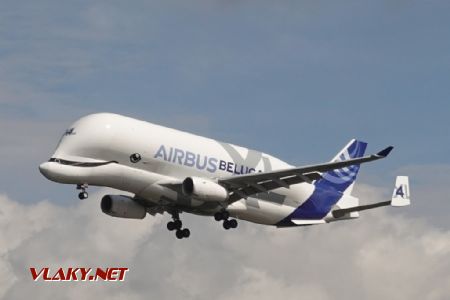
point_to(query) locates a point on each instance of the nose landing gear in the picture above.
(83, 193)
(227, 223)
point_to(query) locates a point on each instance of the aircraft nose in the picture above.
(44, 168)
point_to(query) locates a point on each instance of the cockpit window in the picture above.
(81, 164)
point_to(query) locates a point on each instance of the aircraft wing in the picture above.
(246, 185)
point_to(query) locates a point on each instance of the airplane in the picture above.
(168, 170)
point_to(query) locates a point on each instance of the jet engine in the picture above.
(122, 207)
(204, 189)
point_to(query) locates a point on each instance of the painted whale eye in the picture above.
(135, 157)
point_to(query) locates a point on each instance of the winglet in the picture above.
(385, 152)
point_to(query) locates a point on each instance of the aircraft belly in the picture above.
(259, 211)
(270, 208)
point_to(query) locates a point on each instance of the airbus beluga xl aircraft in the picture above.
(172, 171)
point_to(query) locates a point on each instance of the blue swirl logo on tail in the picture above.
(341, 179)
(330, 188)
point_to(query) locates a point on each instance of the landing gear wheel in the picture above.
(226, 224)
(233, 223)
(178, 224)
(83, 195)
(179, 234)
(186, 233)
(171, 226)
(221, 215)
(218, 216)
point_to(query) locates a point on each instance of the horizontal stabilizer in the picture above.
(339, 213)
(400, 197)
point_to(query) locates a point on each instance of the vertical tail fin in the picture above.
(343, 179)
(330, 188)
(401, 195)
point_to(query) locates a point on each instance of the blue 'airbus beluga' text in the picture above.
(201, 162)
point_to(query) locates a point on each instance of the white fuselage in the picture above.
(98, 150)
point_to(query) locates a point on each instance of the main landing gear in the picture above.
(83, 194)
(227, 223)
(177, 225)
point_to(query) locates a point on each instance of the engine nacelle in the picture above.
(204, 189)
(122, 207)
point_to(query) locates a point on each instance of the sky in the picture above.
(296, 79)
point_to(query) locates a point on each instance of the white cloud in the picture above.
(258, 285)
(382, 255)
